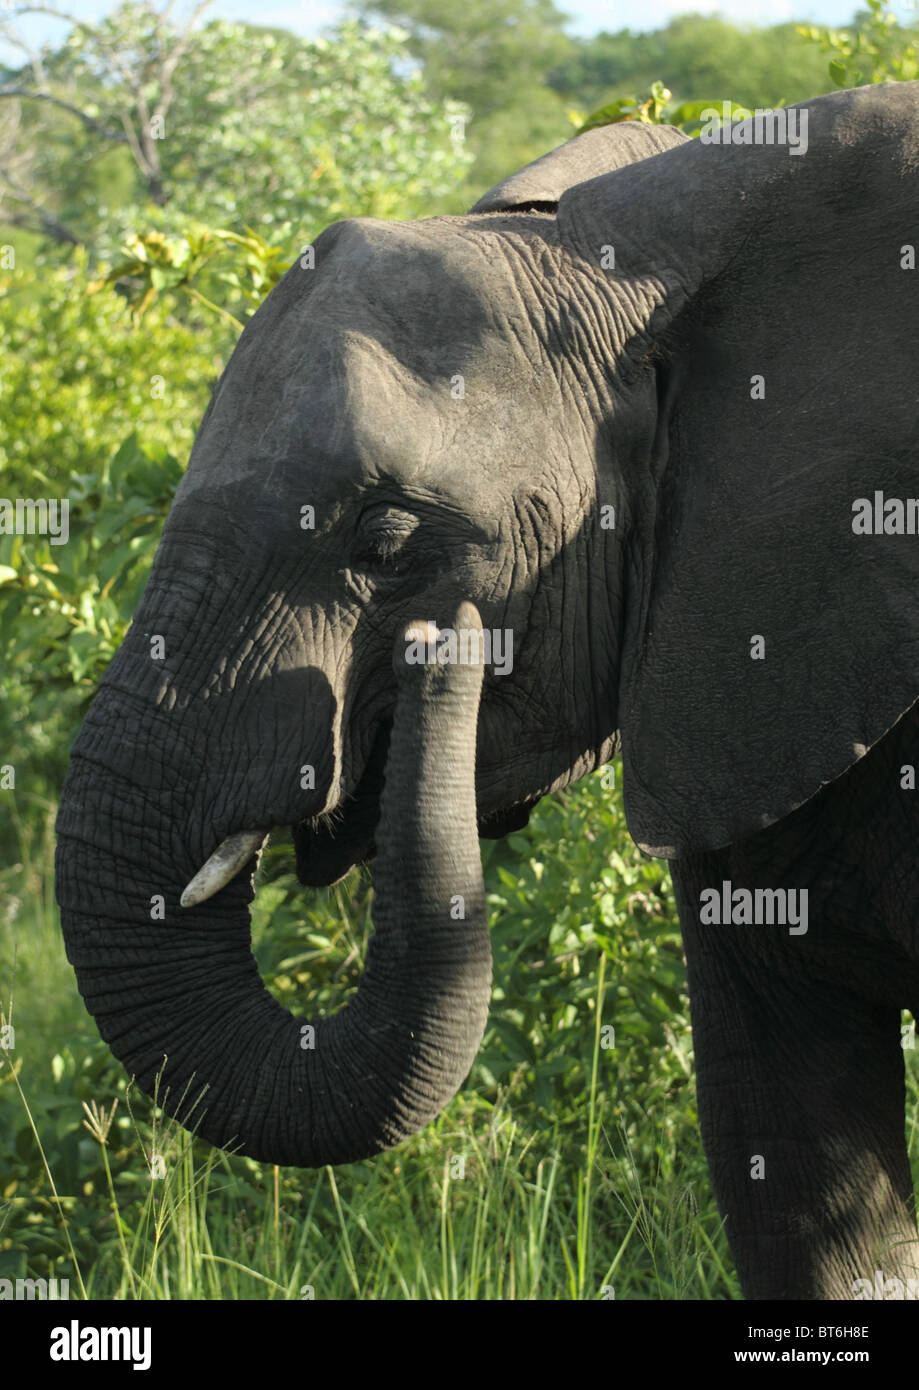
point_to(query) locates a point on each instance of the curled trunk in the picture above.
(182, 985)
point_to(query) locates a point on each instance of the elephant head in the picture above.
(622, 408)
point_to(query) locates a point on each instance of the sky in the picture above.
(587, 16)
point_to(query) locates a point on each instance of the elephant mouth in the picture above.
(328, 846)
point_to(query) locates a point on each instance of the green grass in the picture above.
(473, 1209)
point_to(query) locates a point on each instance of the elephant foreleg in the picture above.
(801, 1105)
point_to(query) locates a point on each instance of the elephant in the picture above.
(644, 420)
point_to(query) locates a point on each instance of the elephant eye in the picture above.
(381, 537)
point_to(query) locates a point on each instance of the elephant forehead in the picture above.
(361, 373)
(375, 415)
(419, 286)
(358, 415)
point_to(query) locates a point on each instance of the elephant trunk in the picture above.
(177, 992)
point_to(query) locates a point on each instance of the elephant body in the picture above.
(628, 419)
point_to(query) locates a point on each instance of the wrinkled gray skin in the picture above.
(459, 399)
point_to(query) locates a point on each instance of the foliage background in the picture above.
(126, 270)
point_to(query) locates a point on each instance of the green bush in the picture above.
(77, 378)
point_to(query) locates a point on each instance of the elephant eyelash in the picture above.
(383, 554)
(386, 547)
(382, 540)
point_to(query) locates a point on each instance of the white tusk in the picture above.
(224, 864)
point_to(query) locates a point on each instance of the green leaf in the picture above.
(690, 111)
(625, 109)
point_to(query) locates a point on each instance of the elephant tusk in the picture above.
(224, 864)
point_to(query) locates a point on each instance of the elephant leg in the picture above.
(801, 1105)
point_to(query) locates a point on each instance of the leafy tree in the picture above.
(492, 55)
(876, 49)
(231, 124)
(697, 56)
(76, 380)
(194, 264)
(115, 81)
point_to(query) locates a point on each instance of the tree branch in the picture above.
(135, 116)
(26, 94)
(17, 41)
(91, 32)
(48, 223)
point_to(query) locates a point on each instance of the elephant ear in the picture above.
(541, 184)
(770, 545)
